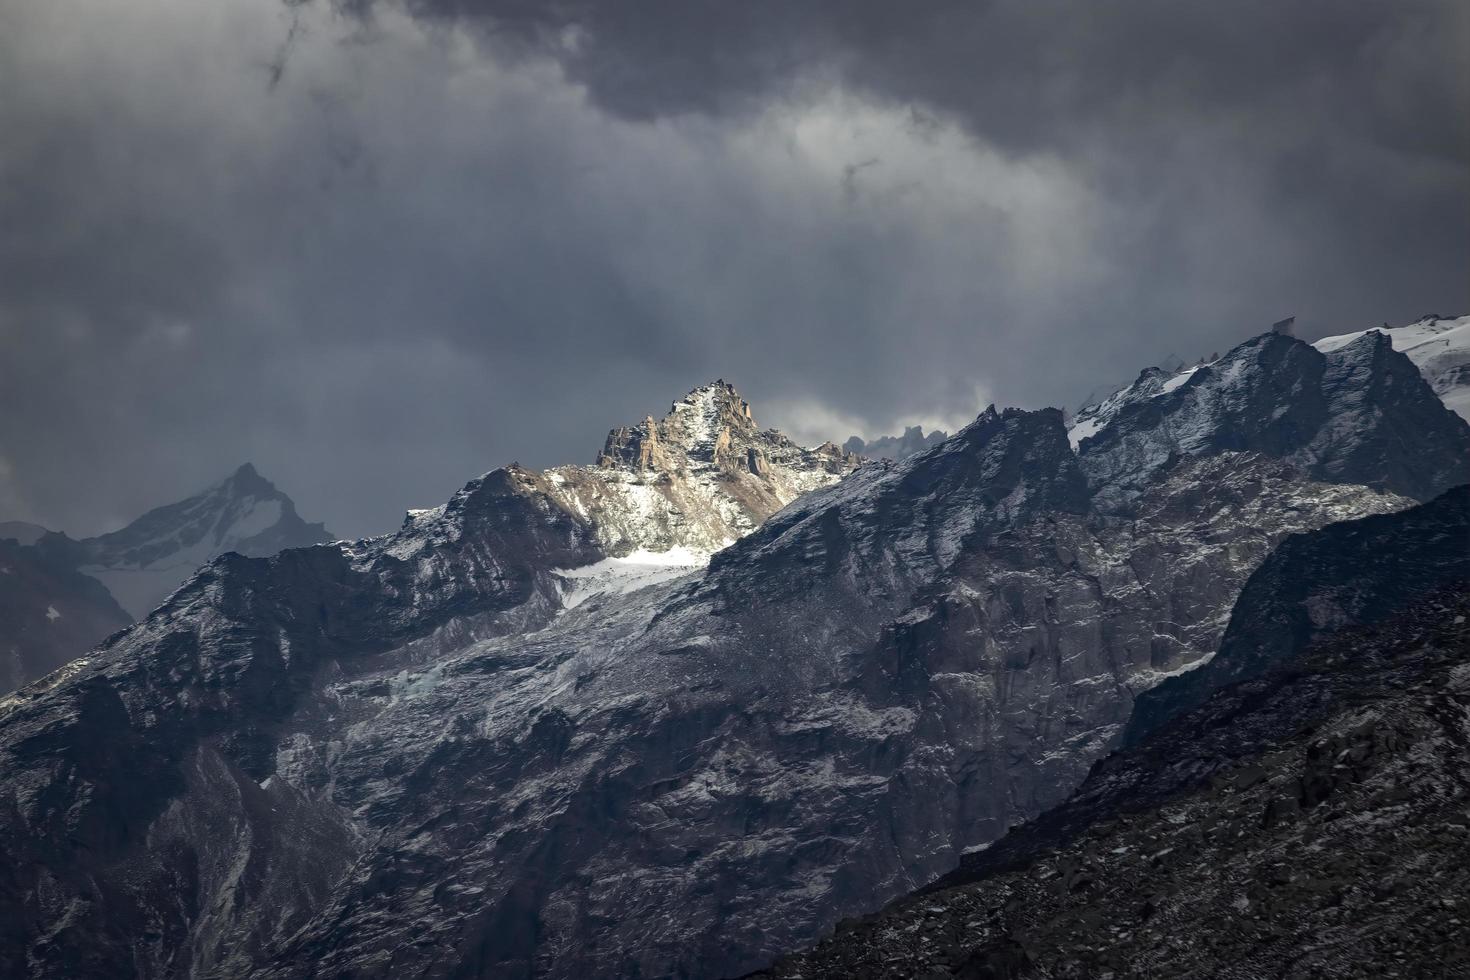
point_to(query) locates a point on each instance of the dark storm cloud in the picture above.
(379, 247)
(1348, 120)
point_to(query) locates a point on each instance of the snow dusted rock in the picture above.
(1276, 395)
(1355, 572)
(476, 747)
(698, 479)
(1439, 348)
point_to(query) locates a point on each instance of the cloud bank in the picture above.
(377, 248)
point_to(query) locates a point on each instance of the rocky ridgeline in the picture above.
(412, 755)
(64, 596)
(1321, 412)
(1308, 822)
(698, 479)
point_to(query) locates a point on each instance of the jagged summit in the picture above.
(699, 429)
(696, 480)
(144, 561)
(1438, 346)
(1326, 412)
(67, 595)
(447, 725)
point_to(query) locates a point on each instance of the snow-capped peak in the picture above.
(1439, 348)
(142, 563)
(699, 478)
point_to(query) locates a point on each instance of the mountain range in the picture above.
(680, 711)
(64, 596)
(912, 441)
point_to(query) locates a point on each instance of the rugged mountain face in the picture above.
(48, 614)
(1307, 822)
(445, 752)
(912, 441)
(1357, 572)
(77, 592)
(1282, 397)
(1440, 349)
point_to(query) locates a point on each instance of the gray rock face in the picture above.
(1354, 573)
(415, 755)
(1440, 349)
(1307, 822)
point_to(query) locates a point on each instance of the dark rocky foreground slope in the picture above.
(417, 755)
(1309, 822)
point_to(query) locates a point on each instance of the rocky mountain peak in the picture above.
(912, 441)
(1343, 416)
(702, 428)
(1438, 346)
(472, 723)
(77, 592)
(697, 479)
(144, 561)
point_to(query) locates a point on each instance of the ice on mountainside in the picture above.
(619, 576)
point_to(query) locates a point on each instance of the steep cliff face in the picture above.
(1306, 822)
(441, 752)
(146, 824)
(1440, 349)
(1356, 572)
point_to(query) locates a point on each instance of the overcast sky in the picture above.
(377, 248)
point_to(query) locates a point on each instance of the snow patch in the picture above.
(259, 516)
(620, 576)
